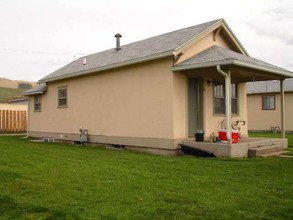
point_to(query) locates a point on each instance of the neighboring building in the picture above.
(152, 94)
(20, 104)
(264, 105)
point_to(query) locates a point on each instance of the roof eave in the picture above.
(33, 93)
(37, 92)
(284, 74)
(109, 67)
(202, 65)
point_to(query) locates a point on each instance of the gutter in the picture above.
(235, 62)
(262, 68)
(227, 101)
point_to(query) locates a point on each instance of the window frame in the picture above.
(235, 97)
(222, 96)
(60, 99)
(37, 102)
(262, 102)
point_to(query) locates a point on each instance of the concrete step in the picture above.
(265, 151)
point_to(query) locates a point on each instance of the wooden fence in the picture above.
(13, 121)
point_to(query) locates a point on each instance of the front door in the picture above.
(194, 105)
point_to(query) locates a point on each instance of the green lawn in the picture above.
(9, 93)
(58, 181)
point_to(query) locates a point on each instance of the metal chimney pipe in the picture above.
(118, 36)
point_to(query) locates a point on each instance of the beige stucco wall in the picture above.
(180, 106)
(133, 102)
(139, 105)
(196, 46)
(263, 119)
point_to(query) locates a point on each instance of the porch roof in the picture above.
(40, 89)
(216, 55)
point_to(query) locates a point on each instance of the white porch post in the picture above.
(228, 106)
(282, 94)
(227, 101)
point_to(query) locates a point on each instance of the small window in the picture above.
(62, 97)
(219, 98)
(268, 102)
(37, 103)
(234, 98)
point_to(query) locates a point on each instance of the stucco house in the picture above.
(152, 94)
(264, 105)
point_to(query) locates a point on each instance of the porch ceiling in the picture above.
(242, 67)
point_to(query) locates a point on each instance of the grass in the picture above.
(59, 181)
(9, 93)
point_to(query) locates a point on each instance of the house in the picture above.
(152, 94)
(264, 105)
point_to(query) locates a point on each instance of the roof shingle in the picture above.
(40, 89)
(158, 45)
(271, 86)
(216, 54)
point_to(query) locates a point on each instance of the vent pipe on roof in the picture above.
(118, 36)
(84, 61)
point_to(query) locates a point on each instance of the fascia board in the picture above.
(234, 38)
(202, 65)
(285, 74)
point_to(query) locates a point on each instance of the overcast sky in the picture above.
(39, 36)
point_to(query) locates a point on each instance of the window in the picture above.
(268, 102)
(37, 103)
(219, 98)
(234, 99)
(62, 97)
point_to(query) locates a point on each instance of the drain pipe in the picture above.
(228, 101)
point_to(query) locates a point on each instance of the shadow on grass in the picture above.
(10, 209)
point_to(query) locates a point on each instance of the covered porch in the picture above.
(219, 64)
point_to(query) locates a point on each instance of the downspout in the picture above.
(227, 101)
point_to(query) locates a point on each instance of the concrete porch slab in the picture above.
(239, 149)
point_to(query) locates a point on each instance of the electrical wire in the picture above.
(40, 52)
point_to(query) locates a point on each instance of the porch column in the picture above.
(282, 96)
(228, 105)
(227, 101)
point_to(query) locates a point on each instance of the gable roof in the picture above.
(216, 55)
(271, 86)
(152, 48)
